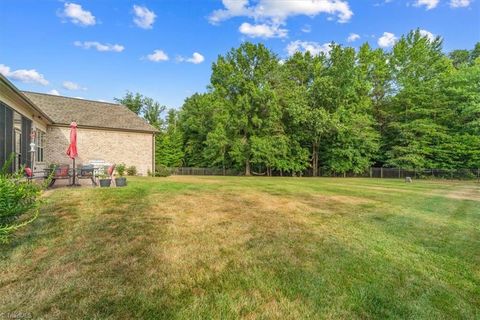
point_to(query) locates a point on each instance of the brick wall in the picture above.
(131, 148)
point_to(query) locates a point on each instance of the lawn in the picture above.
(233, 247)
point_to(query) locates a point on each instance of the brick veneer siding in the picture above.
(131, 148)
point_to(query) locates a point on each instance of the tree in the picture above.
(414, 130)
(196, 120)
(475, 53)
(145, 107)
(306, 120)
(243, 79)
(341, 90)
(461, 101)
(134, 102)
(217, 142)
(376, 73)
(459, 57)
(169, 150)
(153, 112)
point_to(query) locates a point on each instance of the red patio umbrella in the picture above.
(72, 148)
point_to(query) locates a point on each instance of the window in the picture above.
(40, 142)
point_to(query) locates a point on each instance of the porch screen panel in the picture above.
(8, 134)
(2, 134)
(26, 131)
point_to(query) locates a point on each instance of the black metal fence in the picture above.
(193, 171)
(374, 172)
(400, 173)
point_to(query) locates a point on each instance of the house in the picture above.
(106, 132)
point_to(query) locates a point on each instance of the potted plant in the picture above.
(105, 180)
(121, 181)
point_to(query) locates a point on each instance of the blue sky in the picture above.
(164, 49)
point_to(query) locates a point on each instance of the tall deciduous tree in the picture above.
(169, 151)
(418, 65)
(243, 78)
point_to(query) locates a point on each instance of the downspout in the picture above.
(153, 154)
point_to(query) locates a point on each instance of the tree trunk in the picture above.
(315, 159)
(247, 168)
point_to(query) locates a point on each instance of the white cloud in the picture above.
(233, 8)
(23, 75)
(460, 3)
(157, 56)
(54, 92)
(353, 37)
(195, 59)
(262, 30)
(102, 47)
(144, 18)
(69, 85)
(4, 70)
(77, 15)
(278, 11)
(314, 48)
(427, 34)
(387, 40)
(428, 4)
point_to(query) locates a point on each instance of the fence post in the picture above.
(381, 172)
(399, 176)
(371, 173)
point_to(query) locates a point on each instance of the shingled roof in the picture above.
(88, 113)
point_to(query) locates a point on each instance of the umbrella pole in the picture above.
(74, 173)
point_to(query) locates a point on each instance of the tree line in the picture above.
(343, 111)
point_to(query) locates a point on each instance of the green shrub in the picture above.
(162, 171)
(121, 169)
(18, 203)
(132, 171)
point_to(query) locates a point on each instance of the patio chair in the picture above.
(61, 172)
(28, 174)
(86, 172)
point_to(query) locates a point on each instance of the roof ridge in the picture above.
(73, 98)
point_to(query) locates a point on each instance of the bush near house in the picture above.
(18, 203)
(132, 171)
(162, 171)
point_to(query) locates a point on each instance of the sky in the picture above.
(164, 49)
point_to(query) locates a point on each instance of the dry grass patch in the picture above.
(470, 193)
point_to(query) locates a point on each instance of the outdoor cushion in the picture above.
(62, 171)
(28, 172)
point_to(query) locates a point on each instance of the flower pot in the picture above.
(105, 182)
(121, 182)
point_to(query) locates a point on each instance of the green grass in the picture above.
(228, 247)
